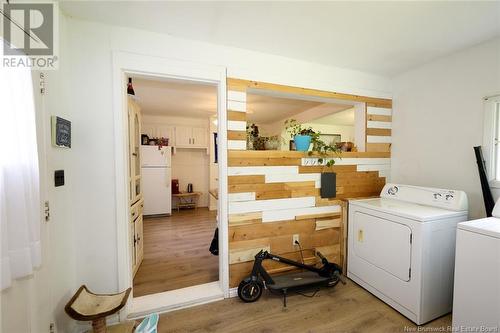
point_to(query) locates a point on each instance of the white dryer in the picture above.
(401, 247)
(476, 300)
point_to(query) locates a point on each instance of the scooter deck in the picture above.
(297, 280)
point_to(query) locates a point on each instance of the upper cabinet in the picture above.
(179, 136)
(191, 137)
(200, 137)
(183, 136)
(166, 131)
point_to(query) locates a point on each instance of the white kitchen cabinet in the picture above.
(178, 136)
(183, 136)
(200, 137)
(166, 131)
(191, 137)
(149, 130)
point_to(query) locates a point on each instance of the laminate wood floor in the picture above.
(176, 252)
(345, 308)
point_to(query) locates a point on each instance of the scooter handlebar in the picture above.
(320, 255)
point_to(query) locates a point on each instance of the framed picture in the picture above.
(61, 132)
(330, 139)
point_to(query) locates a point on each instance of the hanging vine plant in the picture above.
(319, 147)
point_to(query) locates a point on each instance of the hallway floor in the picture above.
(345, 308)
(176, 252)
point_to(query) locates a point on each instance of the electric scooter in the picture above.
(250, 288)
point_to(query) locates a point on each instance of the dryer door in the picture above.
(383, 243)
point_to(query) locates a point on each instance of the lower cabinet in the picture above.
(136, 231)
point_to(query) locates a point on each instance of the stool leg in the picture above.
(99, 325)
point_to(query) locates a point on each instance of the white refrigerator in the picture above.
(156, 179)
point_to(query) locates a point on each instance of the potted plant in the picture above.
(301, 136)
(252, 135)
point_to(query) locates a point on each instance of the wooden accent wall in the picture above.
(274, 195)
(236, 119)
(378, 128)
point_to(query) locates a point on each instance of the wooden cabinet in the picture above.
(135, 190)
(191, 137)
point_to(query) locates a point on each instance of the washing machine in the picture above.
(476, 299)
(401, 247)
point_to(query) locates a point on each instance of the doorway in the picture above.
(127, 65)
(179, 183)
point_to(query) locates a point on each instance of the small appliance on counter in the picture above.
(190, 188)
(175, 186)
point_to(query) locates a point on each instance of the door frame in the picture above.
(136, 64)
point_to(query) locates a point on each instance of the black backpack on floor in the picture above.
(214, 246)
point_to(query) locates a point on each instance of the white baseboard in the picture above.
(175, 299)
(233, 292)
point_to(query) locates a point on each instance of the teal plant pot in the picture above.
(302, 142)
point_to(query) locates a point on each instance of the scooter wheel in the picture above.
(249, 291)
(335, 279)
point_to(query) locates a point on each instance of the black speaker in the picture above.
(328, 185)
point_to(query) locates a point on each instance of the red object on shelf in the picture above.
(175, 186)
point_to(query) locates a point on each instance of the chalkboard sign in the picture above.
(61, 132)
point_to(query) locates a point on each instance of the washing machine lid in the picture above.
(489, 226)
(407, 210)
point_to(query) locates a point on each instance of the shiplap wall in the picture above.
(274, 195)
(378, 128)
(236, 124)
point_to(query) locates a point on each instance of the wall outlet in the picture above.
(295, 238)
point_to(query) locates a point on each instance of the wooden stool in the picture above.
(87, 306)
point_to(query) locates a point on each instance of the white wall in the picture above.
(91, 110)
(32, 303)
(214, 167)
(438, 118)
(192, 166)
(188, 165)
(346, 132)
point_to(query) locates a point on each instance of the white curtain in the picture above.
(20, 250)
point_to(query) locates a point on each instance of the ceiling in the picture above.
(178, 98)
(384, 38)
(262, 109)
(175, 98)
(344, 118)
(266, 110)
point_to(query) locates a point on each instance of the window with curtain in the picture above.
(20, 248)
